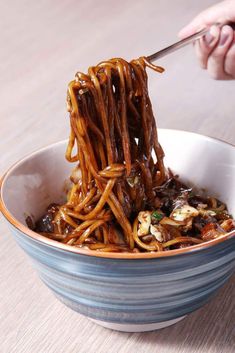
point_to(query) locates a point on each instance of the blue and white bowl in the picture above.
(126, 292)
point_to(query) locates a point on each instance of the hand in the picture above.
(216, 50)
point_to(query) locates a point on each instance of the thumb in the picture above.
(222, 12)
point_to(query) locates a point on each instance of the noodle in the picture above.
(120, 170)
(113, 126)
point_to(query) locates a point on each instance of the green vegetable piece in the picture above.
(157, 215)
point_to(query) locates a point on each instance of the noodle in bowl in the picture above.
(125, 291)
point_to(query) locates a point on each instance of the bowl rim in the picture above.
(94, 253)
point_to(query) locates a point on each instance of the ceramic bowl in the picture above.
(127, 292)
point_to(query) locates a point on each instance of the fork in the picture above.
(180, 44)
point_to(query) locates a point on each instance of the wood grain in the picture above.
(42, 44)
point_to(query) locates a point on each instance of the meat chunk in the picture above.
(45, 223)
(211, 231)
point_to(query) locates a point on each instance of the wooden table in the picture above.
(42, 44)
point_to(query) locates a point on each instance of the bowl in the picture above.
(126, 292)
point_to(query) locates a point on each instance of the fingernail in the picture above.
(223, 39)
(209, 38)
(224, 35)
(211, 35)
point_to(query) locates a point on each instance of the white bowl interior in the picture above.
(40, 179)
(36, 181)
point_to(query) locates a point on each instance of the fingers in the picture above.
(215, 51)
(217, 58)
(229, 65)
(205, 45)
(222, 12)
(198, 23)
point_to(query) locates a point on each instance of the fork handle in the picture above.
(182, 43)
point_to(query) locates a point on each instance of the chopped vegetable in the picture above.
(171, 222)
(155, 230)
(204, 212)
(132, 181)
(157, 215)
(184, 212)
(144, 218)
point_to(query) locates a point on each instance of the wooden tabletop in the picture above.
(42, 44)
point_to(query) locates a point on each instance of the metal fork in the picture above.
(184, 42)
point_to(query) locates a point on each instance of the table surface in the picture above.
(42, 44)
